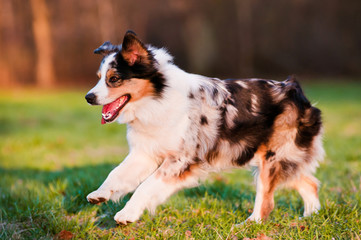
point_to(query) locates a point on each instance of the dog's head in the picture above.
(127, 73)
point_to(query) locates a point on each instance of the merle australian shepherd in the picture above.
(182, 126)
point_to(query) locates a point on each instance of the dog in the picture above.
(183, 126)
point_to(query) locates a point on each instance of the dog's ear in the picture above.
(106, 48)
(133, 50)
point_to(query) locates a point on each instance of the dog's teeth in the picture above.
(106, 115)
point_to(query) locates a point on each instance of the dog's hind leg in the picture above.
(267, 179)
(171, 177)
(124, 178)
(307, 186)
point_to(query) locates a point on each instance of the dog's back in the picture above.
(255, 114)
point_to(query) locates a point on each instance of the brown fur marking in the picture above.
(137, 88)
(267, 205)
(169, 175)
(269, 174)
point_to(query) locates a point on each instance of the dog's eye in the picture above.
(113, 79)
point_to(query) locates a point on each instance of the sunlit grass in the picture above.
(53, 152)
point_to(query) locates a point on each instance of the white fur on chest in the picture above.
(158, 126)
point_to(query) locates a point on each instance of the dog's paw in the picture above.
(98, 196)
(253, 218)
(249, 220)
(125, 216)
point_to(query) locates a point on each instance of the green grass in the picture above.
(53, 152)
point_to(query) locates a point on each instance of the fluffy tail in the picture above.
(310, 122)
(295, 93)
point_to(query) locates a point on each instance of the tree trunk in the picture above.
(106, 20)
(7, 26)
(45, 76)
(245, 36)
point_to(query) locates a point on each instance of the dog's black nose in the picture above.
(91, 98)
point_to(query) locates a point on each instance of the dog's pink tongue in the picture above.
(103, 121)
(108, 111)
(111, 109)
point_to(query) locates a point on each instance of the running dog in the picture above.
(182, 126)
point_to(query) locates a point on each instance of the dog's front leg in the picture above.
(124, 178)
(168, 179)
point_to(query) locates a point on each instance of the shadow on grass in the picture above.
(26, 191)
(73, 184)
(221, 190)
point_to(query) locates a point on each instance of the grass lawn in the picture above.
(53, 152)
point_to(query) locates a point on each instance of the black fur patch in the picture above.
(295, 94)
(288, 166)
(215, 92)
(272, 171)
(197, 160)
(186, 169)
(158, 82)
(269, 154)
(204, 120)
(141, 71)
(309, 128)
(246, 155)
(254, 130)
(212, 154)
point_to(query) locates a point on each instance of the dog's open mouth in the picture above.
(111, 111)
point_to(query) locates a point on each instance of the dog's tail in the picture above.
(295, 93)
(310, 121)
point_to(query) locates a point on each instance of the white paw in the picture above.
(250, 219)
(309, 213)
(127, 215)
(253, 218)
(247, 221)
(99, 196)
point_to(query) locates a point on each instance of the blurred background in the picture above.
(50, 43)
(54, 151)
